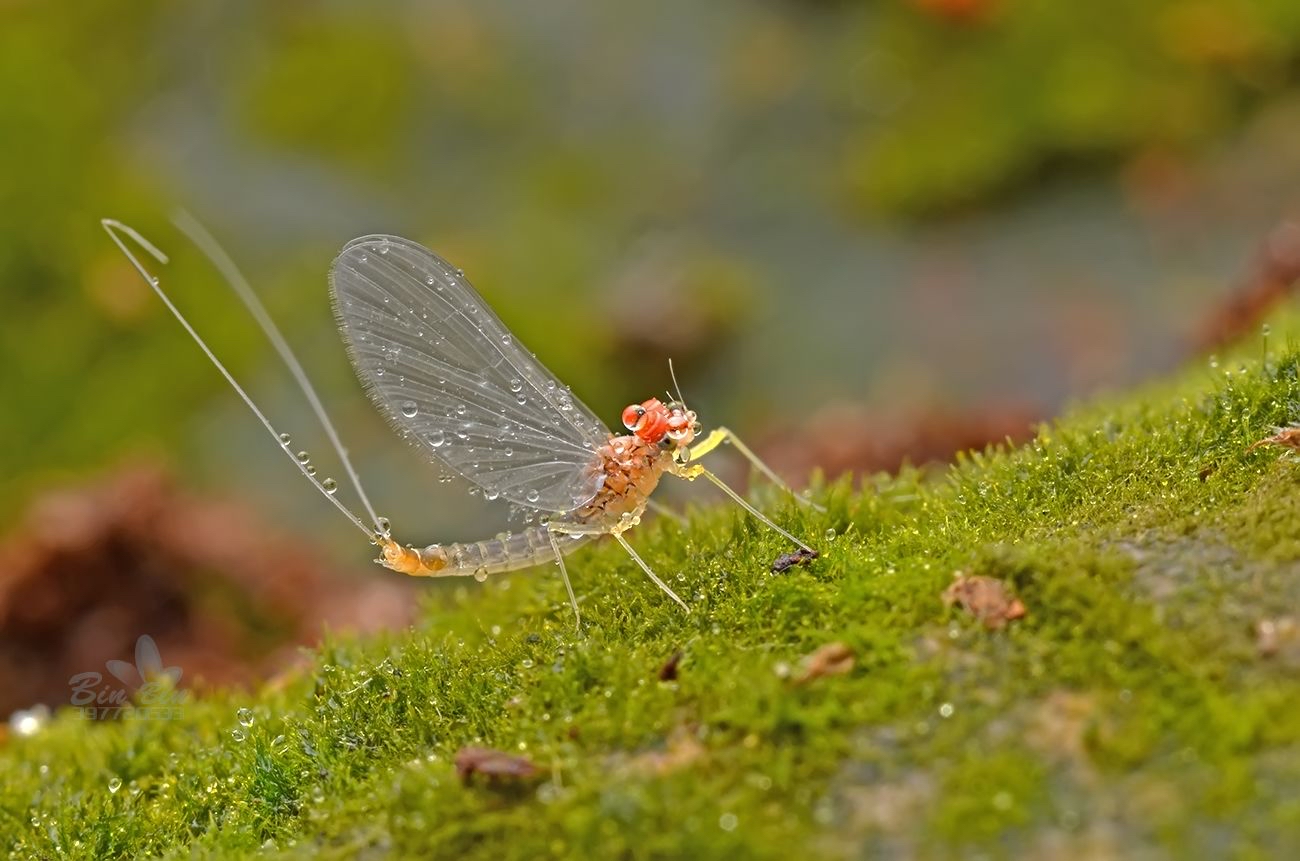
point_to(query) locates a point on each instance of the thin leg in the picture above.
(564, 575)
(690, 473)
(646, 568)
(722, 435)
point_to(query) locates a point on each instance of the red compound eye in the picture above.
(647, 420)
(634, 417)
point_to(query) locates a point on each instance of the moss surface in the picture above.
(1130, 713)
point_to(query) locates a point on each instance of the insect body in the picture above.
(453, 381)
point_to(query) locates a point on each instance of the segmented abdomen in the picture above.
(506, 552)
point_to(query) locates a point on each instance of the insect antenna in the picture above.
(673, 374)
(212, 249)
(116, 230)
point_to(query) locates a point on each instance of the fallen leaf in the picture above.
(1269, 278)
(1287, 437)
(985, 598)
(89, 568)
(496, 765)
(832, 659)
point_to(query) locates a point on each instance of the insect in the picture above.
(453, 381)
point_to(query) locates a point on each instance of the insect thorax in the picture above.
(631, 468)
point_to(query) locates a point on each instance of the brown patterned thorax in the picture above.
(631, 468)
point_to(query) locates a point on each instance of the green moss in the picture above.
(1129, 711)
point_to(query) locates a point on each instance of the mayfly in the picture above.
(453, 381)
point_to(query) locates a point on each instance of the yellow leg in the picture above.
(694, 471)
(722, 436)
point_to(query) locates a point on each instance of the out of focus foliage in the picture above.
(569, 164)
(963, 98)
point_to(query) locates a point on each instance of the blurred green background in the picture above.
(811, 206)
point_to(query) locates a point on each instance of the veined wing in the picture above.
(452, 379)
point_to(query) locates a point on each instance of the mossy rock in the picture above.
(1145, 704)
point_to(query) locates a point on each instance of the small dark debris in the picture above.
(495, 765)
(786, 561)
(985, 598)
(832, 659)
(1207, 471)
(668, 672)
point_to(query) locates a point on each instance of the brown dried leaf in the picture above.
(1287, 437)
(1268, 280)
(985, 598)
(90, 568)
(495, 765)
(832, 659)
(848, 437)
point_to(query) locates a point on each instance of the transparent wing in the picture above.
(451, 378)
